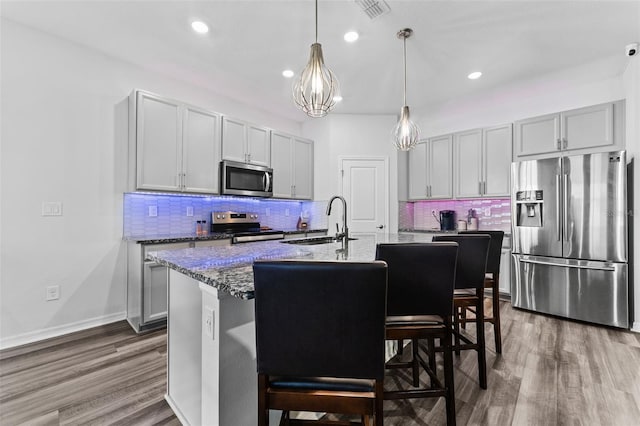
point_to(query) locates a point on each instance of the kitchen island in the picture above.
(212, 377)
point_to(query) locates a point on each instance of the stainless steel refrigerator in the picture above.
(570, 239)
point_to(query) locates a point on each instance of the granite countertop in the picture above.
(229, 268)
(179, 238)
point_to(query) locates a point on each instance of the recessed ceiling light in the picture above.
(200, 27)
(474, 75)
(351, 36)
(337, 98)
(287, 73)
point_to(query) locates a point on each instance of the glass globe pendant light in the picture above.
(316, 89)
(405, 133)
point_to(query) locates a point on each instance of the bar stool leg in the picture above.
(496, 313)
(482, 358)
(456, 328)
(450, 398)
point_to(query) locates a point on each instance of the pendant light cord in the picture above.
(316, 21)
(404, 41)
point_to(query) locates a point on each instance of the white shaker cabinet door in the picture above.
(418, 172)
(234, 140)
(281, 162)
(588, 127)
(468, 163)
(200, 151)
(303, 168)
(440, 167)
(497, 161)
(537, 135)
(258, 151)
(158, 136)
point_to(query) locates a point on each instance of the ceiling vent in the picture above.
(374, 8)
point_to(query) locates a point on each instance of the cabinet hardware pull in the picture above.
(564, 143)
(559, 144)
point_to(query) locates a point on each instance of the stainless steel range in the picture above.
(244, 227)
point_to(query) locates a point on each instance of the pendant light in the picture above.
(405, 133)
(315, 91)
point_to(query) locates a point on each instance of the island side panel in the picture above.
(184, 330)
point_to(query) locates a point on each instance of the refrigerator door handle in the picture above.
(558, 218)
(562, 265)
(565, 207)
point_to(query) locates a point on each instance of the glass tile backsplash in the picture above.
(492, 214)
(148, 215)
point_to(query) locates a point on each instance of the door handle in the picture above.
(558, 218)
(380, 226)
(565, 190)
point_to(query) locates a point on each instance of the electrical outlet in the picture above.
(286, 212)
(153, 211)
(189, 211)
(267, 211)
(208, 322)
(53, 292)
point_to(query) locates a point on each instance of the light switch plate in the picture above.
(52, 208)
(153, 211)
(189, 211)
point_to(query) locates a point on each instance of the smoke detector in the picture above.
(374, 8)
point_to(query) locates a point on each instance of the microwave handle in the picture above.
(267, 181)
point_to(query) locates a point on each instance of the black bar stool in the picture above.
(492, 281)
(420, 306)
(320, 335)
(469, 291)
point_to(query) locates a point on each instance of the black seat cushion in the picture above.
(322, 383)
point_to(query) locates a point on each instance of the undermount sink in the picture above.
(314, 241)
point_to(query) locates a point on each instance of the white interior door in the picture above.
(365, 186)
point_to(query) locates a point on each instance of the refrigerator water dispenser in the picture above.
(529, 208)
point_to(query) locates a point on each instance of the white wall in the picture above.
(545, 94)
(64, 139)
(632, 90)
(343, 135)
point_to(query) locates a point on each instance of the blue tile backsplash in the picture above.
(172, 209)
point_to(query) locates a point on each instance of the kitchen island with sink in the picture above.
(211, 355)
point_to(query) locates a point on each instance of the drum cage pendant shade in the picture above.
(316, 89)
(405, 133)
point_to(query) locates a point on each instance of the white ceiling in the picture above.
(251, 42)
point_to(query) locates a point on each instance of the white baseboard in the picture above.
(47, 333)
(636, 327)
(181, 418)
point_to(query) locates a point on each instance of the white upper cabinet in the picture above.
(292, 163)
(200, 150)
(174, 146)
(589, 129)
(244, 142)
(467, 160)
(430, 169)
(496, 160)
(482, 162)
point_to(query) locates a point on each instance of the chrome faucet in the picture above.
(344, 235)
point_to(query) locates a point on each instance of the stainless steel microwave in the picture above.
(245, 179)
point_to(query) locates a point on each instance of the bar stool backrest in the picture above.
(495, 248)
(320, 319)
(421, 277)
(472, 258)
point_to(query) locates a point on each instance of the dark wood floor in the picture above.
(551, 372)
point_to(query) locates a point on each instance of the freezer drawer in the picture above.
(596, 292)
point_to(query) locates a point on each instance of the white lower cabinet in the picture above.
(147, 283)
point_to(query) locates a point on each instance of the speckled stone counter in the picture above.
(229, 268)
